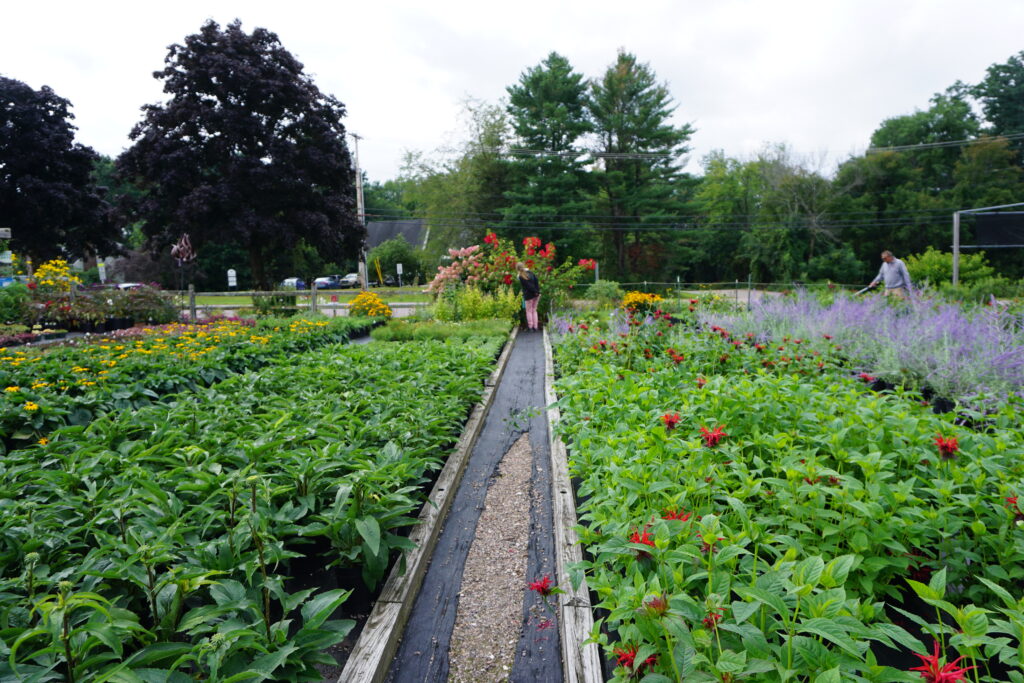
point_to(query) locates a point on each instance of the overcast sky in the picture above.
(819, 75)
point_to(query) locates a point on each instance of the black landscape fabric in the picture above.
(518, 408)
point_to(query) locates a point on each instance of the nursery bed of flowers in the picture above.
(751, 510)
(157, 544)
(72, 384)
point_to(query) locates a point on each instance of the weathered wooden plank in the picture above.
(369, 661)
(581, 663)
(376, 644)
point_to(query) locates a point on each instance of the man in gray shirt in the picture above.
(895, 276)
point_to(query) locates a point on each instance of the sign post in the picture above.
(232, 278)
(398, 267)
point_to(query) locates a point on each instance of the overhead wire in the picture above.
(944, 143)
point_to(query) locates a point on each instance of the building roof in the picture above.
(414, 230)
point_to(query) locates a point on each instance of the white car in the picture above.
(350, 280)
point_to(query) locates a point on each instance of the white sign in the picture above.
(398, 267)
(5, 233)
(102, 267)
(6, 257)
(232, 278)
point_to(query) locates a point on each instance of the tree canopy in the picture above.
(47, 195)
(549, 116)
(640, 150)
(246, 151)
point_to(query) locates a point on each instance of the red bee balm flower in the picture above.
(670, 420)
(491, 239)
(948, 447)
(866, 377)
(643, 538)
(712, 436)
(626, 656)
(933, 673)
(544, 586)
(713, 617)
(670, 513)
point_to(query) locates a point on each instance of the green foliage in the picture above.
(936, 267)
(277, 304)
(405, 330)
(161, 546)
(981, 290)
(395, 251)
(14, 301)
(767, 551)
(457, 304)
(607, 293)
(76, 384)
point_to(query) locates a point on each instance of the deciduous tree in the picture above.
(47, 195)
(246, 151)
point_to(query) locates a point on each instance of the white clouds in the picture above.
(818, 74)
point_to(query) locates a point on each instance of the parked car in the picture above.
(350, 280)
(389, 281)
(329, 282)
(293, 283)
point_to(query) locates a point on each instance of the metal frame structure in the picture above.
(956, 233)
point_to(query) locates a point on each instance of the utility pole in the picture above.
(360, 212)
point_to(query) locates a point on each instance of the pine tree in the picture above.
(641, 180)
(549, 116)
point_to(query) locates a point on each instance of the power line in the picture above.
(674, 227)
(945, 143)
(869, 216)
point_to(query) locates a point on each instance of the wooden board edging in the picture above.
(581, 661)
(378, 642)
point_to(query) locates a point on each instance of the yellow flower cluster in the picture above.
(368, 304)
(57, 274)
(179, 342)
(639, 301)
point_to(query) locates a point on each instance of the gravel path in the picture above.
(487, 625)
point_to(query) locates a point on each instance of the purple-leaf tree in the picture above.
(247, 151)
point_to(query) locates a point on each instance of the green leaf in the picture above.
(924, 592)
(1001, 592)
(769, 599)
(831, 631)
(267, 664)
(369, 529)
(731, 662)
(741, 611)
(320, 608)
(938, 583)
(830, 676)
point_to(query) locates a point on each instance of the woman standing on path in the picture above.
(531, 294)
